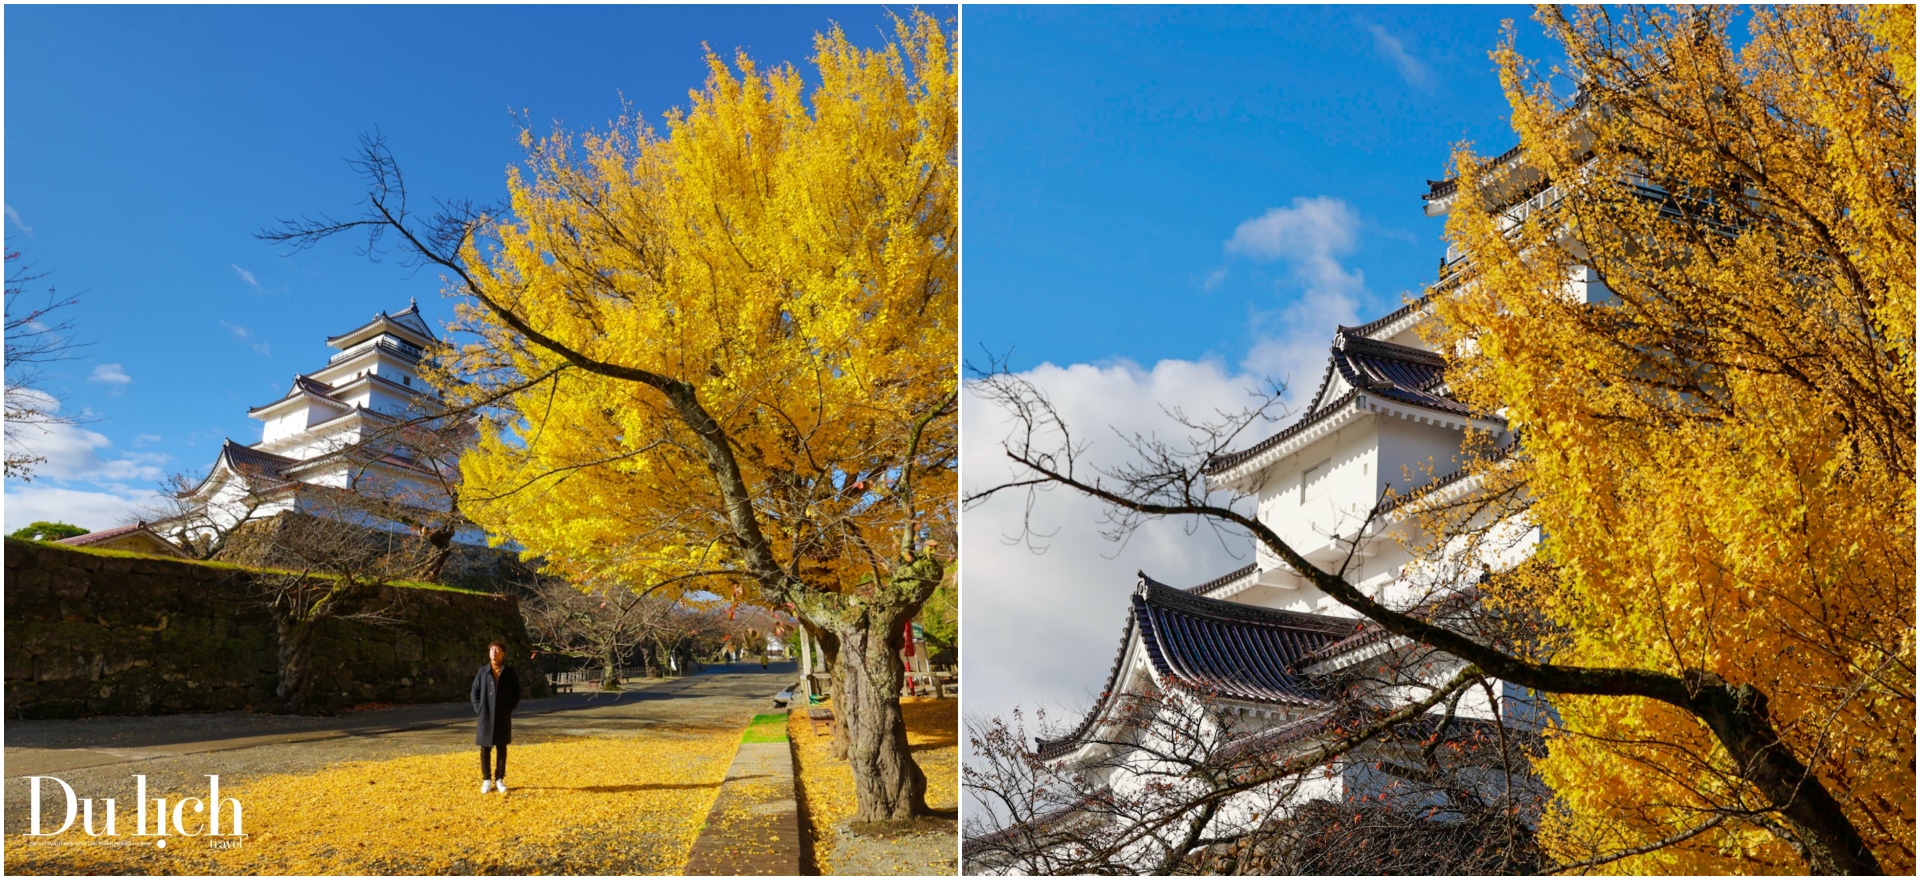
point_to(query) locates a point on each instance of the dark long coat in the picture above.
(493, 701)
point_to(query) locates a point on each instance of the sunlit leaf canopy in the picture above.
(788, 252)
(1720, 450)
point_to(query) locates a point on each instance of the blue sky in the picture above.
(1163, 208)
(145, 146)
(1112, 153)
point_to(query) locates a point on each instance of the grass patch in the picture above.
(766, 729)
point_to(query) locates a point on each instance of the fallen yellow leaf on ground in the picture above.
(585, 805)
(826, 785)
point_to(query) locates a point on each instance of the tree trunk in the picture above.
(830, 655)
(296, 663)
(610, 676)
(441, 540)
(888, 785)
(806, 664)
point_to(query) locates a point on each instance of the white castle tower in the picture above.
(319, 436)
(1276, 665)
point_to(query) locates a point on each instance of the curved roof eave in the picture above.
(303, 386)
(1155, 633)
(407, 322)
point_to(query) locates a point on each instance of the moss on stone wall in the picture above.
(105, 633)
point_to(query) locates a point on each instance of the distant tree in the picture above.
(200, 528)
(408, 476)
(36, 334)
(49, 531)
(599, 624)
(311, 567)
(1179, 787)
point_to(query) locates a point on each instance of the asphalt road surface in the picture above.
(100, 756)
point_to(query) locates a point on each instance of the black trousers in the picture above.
(487, 769)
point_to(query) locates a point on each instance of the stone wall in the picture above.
(102, 633)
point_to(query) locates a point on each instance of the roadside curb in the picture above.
(754, 826)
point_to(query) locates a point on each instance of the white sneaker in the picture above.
(500, 785)
(486, 785)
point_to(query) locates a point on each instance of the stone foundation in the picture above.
(100, 633)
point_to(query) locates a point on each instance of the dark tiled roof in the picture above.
(249, 459)
(410, 316)
(419, 390)
(1374, 326)
(313, 386)
(1219, 463)
(1217, 648)
(1387, 370)
(1437, 189)
(121, 532)
(352, 410)
(1229, 649)
(102, 535)
(307, 385)
(1207, 588)
(407, 318)
(1366, 633)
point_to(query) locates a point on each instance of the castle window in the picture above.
(1313, 481)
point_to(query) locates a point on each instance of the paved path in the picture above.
(178, 751)
(754, 827)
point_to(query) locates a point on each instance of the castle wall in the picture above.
(1414, 454)
(1326, 486)
(108, 634)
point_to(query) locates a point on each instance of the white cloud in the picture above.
(248, 277)
(1309, 237)
(144, 440)
(29, 503)
(1312, 231)
(74, 452)
(111, 374)
(1413, 70)
(15, 217)
(1042, 628)
(246, 336)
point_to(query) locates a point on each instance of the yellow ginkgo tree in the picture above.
(723, 356)
(1718, 418)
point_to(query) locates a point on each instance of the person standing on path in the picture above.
(496, 691)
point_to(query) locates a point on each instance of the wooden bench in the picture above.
(563, 682)
(818, 716)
